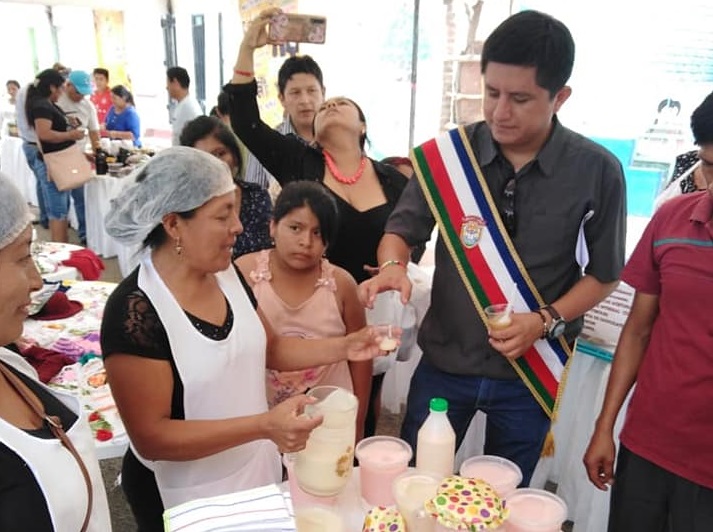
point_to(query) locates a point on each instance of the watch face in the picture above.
(558, 329)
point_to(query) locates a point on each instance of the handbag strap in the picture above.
(55, 426)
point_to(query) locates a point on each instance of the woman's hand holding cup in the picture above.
(288, 426)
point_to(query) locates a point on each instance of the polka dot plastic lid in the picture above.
(384, 519)
(467, 504)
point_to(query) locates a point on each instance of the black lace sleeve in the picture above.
(131, 324)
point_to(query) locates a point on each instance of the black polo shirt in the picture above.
(571, 176)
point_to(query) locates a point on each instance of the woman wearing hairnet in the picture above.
(185, 349)
(49, 478)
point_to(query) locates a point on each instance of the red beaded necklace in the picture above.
(347, 180)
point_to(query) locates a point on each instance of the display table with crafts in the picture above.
(77, 338)
(49, 257)
(59, 261)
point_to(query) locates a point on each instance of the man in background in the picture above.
(81, 114)
(8, 109)
(178, 83)
(301, 93)
(12, 86)
(101, 97)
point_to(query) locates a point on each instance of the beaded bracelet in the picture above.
(392, 262)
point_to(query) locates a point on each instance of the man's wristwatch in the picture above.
(557, 325)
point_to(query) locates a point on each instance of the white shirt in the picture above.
(83, 110)
(27, 132)
(7, 114)
(186, 110)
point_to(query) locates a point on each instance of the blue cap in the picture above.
(81, 81)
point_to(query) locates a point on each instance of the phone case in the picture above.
(292, 27)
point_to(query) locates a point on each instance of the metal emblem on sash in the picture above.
(470, 231)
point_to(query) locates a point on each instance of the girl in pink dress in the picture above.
(302, 294)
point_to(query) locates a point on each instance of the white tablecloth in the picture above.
(582, 399)
(13, 163)
(98, 193)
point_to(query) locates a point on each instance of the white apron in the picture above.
(54, 467)
(221, 379)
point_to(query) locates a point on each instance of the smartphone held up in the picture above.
(293, 27)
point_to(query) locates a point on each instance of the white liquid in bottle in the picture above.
(436, 445)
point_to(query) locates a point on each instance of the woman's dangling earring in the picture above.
(178, 247)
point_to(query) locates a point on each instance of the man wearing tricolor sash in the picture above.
(529, 213)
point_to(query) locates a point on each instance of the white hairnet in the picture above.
(178, 179)
(14, 213)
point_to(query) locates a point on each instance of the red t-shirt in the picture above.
(670, 417)
(102, 101)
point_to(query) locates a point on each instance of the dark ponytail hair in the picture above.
(124, 93)
(41, 88)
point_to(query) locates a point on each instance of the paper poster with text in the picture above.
(603, 324)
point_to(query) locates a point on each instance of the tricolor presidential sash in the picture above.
(483, 253)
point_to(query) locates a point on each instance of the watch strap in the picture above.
(552, 312)
(545, 329)
(557, 324)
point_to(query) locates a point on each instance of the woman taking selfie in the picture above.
(366, 191)
(49, 478)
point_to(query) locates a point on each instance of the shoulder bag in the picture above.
(68, 168)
